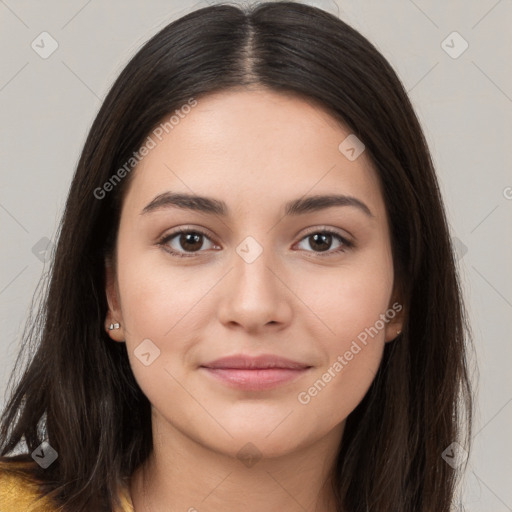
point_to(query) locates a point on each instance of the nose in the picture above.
(255, 294)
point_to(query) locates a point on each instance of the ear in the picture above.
(114, 315)
(396, 316)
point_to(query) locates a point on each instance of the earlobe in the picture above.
(115, 330)
(392, 335)
(113, 320)
(395, 315)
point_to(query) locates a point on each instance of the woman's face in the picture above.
(256, 275)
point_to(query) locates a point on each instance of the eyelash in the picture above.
(165, 240)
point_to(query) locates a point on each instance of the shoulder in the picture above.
(19, 492)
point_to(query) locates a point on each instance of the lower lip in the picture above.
(255, 380)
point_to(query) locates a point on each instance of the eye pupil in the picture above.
(322, 239)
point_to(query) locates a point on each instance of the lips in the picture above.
(255, 373)
(261, 362)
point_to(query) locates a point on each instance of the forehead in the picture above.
(256, 146)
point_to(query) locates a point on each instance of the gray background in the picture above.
(464, 104)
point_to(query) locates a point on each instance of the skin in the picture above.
(254, 149)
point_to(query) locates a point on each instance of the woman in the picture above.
(253, 302)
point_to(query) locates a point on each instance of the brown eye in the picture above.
(185, 242)
(321, 242)
(190, 241)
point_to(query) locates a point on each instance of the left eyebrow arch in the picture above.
(208, 205)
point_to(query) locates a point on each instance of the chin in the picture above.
(254, 444)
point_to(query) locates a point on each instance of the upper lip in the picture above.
(241, 361)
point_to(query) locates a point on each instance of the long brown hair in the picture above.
(77, 390)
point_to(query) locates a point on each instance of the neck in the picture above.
(183, 474)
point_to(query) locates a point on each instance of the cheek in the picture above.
(156, 296)
(157, 303)
(160, 304)
(347, 301)
(352, 304)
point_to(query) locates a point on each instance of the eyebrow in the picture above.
(208, 205)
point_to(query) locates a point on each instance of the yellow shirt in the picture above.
(20, 495)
